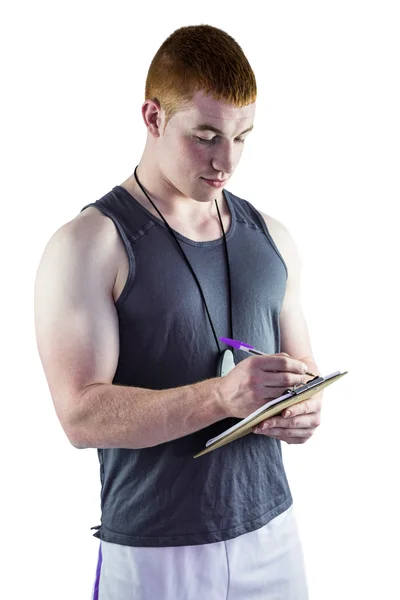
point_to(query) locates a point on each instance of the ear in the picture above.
(152, 114)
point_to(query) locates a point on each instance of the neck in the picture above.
(169, 201)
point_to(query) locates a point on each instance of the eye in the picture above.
(204, 141)
(211, 141)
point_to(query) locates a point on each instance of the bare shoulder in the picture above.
(93, 224)
(284, 242)
(75, 317)
(90, 237)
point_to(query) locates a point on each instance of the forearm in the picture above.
(114, 416)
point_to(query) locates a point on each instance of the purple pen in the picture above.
(247, 348)
(241, 346)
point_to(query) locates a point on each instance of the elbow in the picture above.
(71, 420)
(79, 430)
(75, 440)
(74, 435)
(77, 444)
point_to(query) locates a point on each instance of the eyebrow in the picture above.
(205, 127)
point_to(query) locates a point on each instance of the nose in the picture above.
(224, 159)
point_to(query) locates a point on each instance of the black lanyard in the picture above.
(194, 274)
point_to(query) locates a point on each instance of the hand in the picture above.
(296, 424)
(256, 380)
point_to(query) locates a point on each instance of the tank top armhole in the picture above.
(128, 249)
(267, 233)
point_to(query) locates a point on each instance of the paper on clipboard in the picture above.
(272, 407)
(260, 410)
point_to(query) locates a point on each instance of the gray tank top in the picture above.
(162, 496)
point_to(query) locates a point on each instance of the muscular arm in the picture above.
(77, 336)
(295, 339)
(298, 423)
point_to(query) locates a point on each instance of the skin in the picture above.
(170, 171)
(83, 272)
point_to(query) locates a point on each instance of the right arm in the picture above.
(77, 336)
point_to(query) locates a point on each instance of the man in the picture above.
(131, 298)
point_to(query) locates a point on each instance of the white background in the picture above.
(323, 158)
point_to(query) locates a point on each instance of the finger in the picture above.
(309, 421)
(286, 362)
(276, 362)
(269, 392)
(302, 408)
(282, 380)
(283, 434)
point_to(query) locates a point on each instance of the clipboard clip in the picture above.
(301, 387)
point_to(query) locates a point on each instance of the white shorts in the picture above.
(265, 564)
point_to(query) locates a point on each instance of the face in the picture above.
(204, 142)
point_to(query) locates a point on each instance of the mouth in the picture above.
(215, 182)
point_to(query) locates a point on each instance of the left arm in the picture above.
(296, 424)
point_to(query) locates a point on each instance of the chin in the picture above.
(207, 192)
(202, 197)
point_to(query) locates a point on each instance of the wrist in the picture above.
(220, 398)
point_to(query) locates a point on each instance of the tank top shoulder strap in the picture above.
(249, 216)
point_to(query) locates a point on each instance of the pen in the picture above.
(247, 348)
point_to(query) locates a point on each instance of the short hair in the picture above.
(199, 58)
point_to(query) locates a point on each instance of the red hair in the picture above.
(199, 58)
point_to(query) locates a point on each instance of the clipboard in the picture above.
(271, 408)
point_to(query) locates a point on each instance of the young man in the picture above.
(131, 298)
